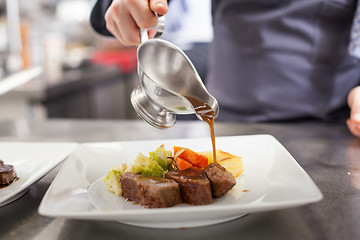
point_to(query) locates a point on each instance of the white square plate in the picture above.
(272, 180)
(31, 161)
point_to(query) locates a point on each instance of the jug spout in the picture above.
(204, 107)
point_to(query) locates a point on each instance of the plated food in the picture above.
(165, 179)
(30, 161)
(271, 175)
(7, 174)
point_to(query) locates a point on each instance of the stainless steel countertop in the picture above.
(327, 151)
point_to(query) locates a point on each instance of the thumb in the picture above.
(159, 6)
(354, 104)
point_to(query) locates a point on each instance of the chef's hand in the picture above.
(125, 17)
(354, 103)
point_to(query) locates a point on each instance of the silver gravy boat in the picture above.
(166, 77)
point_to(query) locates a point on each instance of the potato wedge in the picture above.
(231, 162)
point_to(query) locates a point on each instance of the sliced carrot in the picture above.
(176, 149)
(182, 164)
(192, 157)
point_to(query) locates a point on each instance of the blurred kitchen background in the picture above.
(53, 65)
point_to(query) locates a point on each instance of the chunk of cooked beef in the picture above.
(221, 179)
(151, 192)
(7, 173)
(194, 186)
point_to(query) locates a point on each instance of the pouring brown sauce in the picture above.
(208, 115)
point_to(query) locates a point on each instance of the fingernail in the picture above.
(160, 4)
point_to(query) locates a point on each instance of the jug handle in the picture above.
(159, 29)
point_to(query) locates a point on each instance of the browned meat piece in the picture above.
(151, 192)
(1, 162)
(221, 180)
(194, 186)
(7, 174)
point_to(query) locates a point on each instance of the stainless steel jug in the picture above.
(166, 77)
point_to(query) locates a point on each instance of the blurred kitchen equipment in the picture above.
(14, 60)
(19, 78)
(167, 77)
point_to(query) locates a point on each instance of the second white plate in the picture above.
(31, 161)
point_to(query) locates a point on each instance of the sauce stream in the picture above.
(208, 115)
